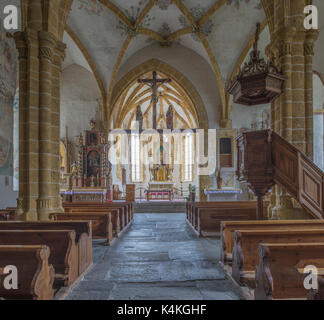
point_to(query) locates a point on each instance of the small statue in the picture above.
(102, 138)
(139, 117)
(169, 118)
(219, 180)
(74, 169)
(92, 124)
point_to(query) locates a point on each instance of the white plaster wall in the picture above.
(318, 104)
(79, 101)
(192, 66)
(244, 116)
(7, 195)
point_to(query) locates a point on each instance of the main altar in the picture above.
(90, 174)
(159, 191)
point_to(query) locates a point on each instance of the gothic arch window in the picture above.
(188, 159)
(169, 94)
(136, 158)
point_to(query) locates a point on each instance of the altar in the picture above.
(86, 195)
(89, 180)
(225, 194)
(159, 191)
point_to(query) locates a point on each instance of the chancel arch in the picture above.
(188, 92)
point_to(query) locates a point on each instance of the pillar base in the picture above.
(44, 209)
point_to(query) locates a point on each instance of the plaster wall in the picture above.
(79, 102)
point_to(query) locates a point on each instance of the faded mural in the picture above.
(8, 86)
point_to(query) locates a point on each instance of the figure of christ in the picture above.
(154, 84)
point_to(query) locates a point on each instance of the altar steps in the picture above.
(160, 207)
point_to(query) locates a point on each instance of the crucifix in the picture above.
(154, 84)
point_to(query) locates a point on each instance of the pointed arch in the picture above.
(160, 66)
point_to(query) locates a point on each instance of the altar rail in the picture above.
(265, 159)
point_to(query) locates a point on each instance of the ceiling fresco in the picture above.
(113, 31)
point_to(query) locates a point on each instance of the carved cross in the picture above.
(154, 83)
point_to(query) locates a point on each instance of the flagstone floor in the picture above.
(157, 258)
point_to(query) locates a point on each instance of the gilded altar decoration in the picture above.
(91, 172)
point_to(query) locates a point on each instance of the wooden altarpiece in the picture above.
(91, 175)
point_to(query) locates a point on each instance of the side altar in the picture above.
(91, 174)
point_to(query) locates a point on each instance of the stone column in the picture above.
(291, 49)
(47, 144)
(27, 45)
(58, 58)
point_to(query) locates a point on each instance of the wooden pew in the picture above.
(83, 236)
(207, 216)
(278, 275)
(317, 294)
(63, 250)
(116, 216)
(101, 222)
(229, 227)
(128, 205)
(35, 274)
(125, 209)
(245, 251)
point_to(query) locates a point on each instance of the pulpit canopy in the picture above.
(259, 82)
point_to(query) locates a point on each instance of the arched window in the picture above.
(136, 158)
(188, 158)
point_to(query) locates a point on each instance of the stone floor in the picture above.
(158, 257)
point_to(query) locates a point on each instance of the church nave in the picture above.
(157, 258)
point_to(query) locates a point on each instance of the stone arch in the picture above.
(166, 69)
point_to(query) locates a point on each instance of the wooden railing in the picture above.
(265, 159)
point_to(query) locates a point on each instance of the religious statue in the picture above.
(154, 84)
(139, 117)
(92, 124)
(102, 138)
(74, 169)
(169, 118)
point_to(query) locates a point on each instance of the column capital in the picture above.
(21, 44)
(47, 43)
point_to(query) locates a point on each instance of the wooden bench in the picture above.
(207, 216)
(125, 211)
(245, 251)
(116, 216)
(229, 227)
(83, 236)
(63, 250)
(127, 208)
(35, 274)
(101, 222)
(278, 275)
